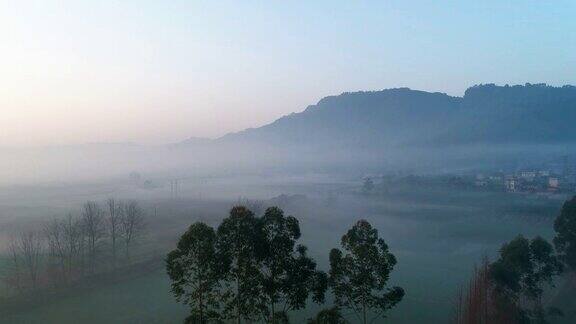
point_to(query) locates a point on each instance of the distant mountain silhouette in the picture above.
(490, 127)
(486, 114)
(194, 141)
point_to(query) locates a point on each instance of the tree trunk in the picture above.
(127, 253)
(201, 310)
(114, 250)
(237, 300)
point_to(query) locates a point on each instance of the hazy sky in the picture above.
(162, 71)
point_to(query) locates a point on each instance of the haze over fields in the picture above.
(319, 162)
(490, 126)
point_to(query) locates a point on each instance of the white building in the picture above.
(553, 183)
(544, 173)
(511, 184)
(528, 175)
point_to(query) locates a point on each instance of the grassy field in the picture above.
(437, 237)
(143, 299)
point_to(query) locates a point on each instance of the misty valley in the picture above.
(287, 162)
(396, 206)
(439, 228)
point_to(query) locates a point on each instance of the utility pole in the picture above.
(174, 189)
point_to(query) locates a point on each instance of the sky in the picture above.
(155, 72)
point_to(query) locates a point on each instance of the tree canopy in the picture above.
(359, 276)
(328, 316)
(289, 274)
(239, 244)
(195, 270)
(520, 273)
(565, 227)
(253, 269)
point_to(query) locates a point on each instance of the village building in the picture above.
(528, 175)
(544, 173)
(511, 184)
(553, 184)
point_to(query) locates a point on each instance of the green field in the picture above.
(437, 237)
(143, 299)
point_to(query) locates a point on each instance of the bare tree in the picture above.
(31, 247)
(73, 242)
(54, 233)
(132, 225)
(474, 303)
(93, 225)
(14, 278)
(26, 250)
(113, 224)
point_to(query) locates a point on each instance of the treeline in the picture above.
(510, 289)
(253, 269)
(70, 248)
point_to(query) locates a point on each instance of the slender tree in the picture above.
(26, 249)
(359, 277)
(195, 269)
(523, 268)
(289, 275)
(73, 242)
(113, 225)
(565, 240)
(238, 243)
(132, 225)
(94, 229)
(54, 233)
(545, 266)
(15, 277)
(474, 304)
(63, 236)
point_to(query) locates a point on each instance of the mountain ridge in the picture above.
(486, 113)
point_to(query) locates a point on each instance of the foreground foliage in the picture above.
(250, 269)
(565, 240)
(359, 276)
(195, 272)
(328, 316)
(511, 289)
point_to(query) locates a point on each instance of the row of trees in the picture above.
(251, 268)
(511, 289)
(69, 248)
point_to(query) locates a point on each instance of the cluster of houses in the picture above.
(535, 181)
(557, 178)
